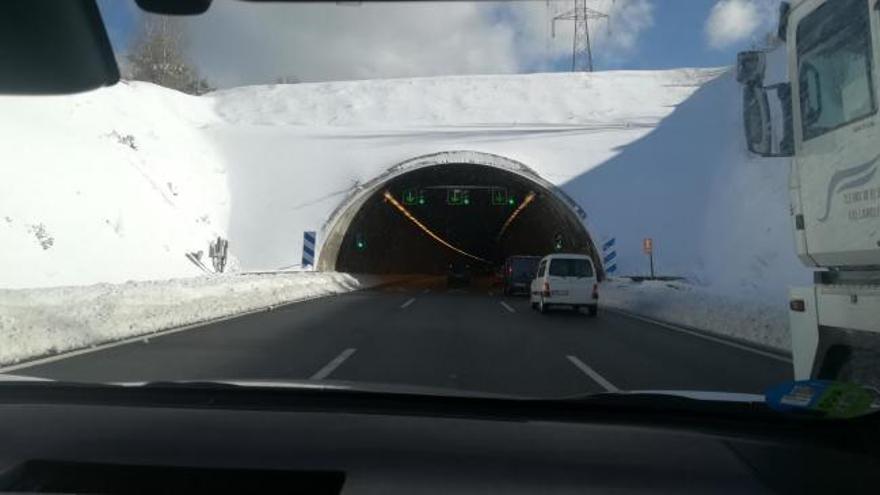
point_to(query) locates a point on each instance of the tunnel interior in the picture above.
(484, 214)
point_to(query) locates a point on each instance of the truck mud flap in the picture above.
(848, 355)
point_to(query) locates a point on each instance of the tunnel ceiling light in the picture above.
(425, 229)
(529, 198)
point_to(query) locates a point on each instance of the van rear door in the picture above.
(571, 279)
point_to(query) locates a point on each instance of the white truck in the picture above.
(827, 122)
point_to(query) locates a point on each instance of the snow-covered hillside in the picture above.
(506, 100)
(718, 215)
(120, 183)
(290, 160)
(106, 186)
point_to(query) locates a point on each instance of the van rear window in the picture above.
(562, 267)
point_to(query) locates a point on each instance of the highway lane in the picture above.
(423, 333)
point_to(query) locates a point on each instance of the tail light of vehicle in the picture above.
(546, 289)
(595, 291)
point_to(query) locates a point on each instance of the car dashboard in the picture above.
(179, 439)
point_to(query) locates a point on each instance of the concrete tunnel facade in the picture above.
(371, 233)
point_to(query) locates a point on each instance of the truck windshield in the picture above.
(570, 268)
(834, 67)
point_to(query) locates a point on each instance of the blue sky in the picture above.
(676, 36)
(677, 39)
(119, 19)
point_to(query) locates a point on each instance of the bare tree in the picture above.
(157, 56)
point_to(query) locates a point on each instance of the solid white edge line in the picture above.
(608, 386)
(408, 302)
(507, 307)
(702, 336)
(333, 364)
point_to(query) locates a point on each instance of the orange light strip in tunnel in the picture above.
(529, 198)
(426, 230)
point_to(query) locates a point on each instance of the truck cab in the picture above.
(828, 125)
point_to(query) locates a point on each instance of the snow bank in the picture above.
(697, 307)
(37, 322)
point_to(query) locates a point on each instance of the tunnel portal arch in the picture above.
(559, 211)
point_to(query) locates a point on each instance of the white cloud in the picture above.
(736, 21)
(241, 43)
(246, 43)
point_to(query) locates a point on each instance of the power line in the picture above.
(581, 50)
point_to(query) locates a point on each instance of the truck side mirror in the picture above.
(750, 67)
(758, 118)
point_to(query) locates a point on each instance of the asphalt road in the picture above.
(423, 333)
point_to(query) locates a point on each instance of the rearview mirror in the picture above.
(756, 117)
(750, 67)
(759, 116)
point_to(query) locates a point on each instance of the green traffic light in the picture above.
(467, 201)
(510, 201)
(421, 201)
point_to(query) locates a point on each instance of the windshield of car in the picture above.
(361, 192)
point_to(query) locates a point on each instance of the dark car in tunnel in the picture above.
(518, 272)
(459, 274)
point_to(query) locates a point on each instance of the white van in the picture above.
(565, 280)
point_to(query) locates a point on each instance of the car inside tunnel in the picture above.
(422, 221)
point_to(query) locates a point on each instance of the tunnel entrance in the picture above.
(421, 220)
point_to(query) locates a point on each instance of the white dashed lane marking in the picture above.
(608, 386)
(332, 365)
